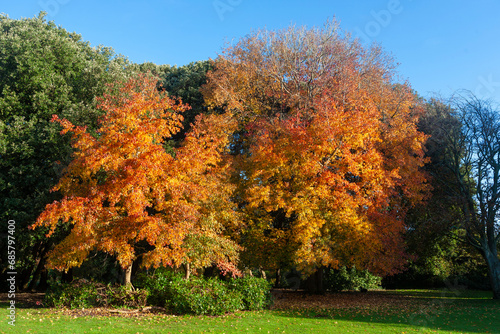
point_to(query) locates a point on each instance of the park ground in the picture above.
(384, 311)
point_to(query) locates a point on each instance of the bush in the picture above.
(205, 296)
(121, 296)
(351, 279)
(85, 294)
(77, 294)
(157, 285)
(256, 292)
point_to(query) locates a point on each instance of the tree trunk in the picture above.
(262, 273)
(494, 271)
(314, 283)
(127, 277)
(188, 271)
(40, 268)
(277, 283)
(67, 276)
(248, 272)
(25, 276)
(44, 281)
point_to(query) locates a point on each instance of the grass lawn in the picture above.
(399, 311)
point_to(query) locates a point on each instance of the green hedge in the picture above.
(256, 292)
(203, 296)
(157, 285)
(210, 296)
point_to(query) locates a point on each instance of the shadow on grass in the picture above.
(463, 311)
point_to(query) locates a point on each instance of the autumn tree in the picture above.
(328, 148)
(204, 168)
(122, 189)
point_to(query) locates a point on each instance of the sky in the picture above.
(441, 46)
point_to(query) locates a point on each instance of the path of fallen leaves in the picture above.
(283, 300)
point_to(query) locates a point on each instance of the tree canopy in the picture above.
(331, 155)
(123, 188)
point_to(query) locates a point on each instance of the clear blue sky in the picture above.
(441, 45)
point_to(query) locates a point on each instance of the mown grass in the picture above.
(404, 311)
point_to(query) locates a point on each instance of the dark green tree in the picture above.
(185, 82)
(151, 68)
(44, 70)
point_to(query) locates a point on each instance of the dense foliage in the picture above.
(123, 189)
(210, 296)
(44, 70)
(329, 153)
(351, 279)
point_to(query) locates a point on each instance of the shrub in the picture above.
(351, 279)
(158, 285)
(83, 293)
(199, 295)
(256, 292)
(121, 296)
(77, 294)
(203, 296)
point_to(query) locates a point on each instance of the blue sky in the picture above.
(441, 45)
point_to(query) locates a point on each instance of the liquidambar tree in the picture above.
(329, 153)
(122, 188)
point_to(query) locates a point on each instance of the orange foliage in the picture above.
(332, 153)
(122, 187)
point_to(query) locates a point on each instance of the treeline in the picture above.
(294, 153)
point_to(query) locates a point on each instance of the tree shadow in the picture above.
(447, 310)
